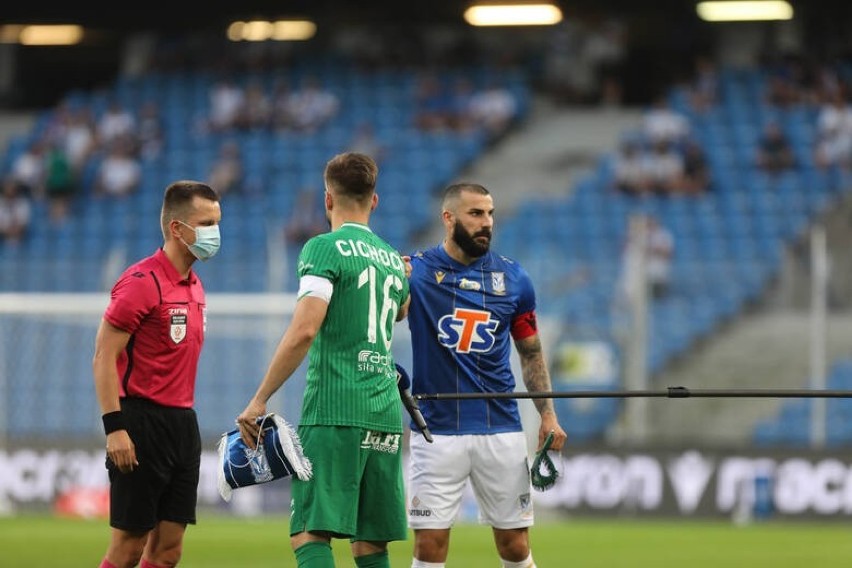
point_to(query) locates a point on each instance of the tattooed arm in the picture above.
(537, 379)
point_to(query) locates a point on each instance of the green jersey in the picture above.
(351, 378)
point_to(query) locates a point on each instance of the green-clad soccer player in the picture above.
(352, 290)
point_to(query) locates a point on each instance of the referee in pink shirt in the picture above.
(145, 364)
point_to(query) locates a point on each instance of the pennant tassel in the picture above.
(224, 488)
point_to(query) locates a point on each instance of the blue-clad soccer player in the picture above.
(467, 305)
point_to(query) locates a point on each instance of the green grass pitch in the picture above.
(230, 542)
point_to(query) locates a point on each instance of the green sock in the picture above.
(377, 560)
(315, 555)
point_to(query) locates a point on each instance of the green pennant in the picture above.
(543, 473)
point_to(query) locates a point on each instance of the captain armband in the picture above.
(315, 287)
(524, 325)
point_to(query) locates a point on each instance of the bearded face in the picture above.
(473, 245)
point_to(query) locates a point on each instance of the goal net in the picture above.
(47, 342)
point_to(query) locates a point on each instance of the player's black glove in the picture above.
(403, 382)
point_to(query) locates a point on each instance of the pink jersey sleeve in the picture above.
(132, 298)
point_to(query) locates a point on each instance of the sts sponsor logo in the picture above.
(372, 361)
(467, 330)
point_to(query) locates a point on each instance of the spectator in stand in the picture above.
(660, 249)
(564, 72)
(72, 128)
(58, 120)
(227, 100)
(493, 108)
(15, 211)
(774, 152)
(311, 106)
(227, 172)
(783, 86)
(257, 107)
(665, 166)
(433, 109)
(834, 133)
(280, 115)
(120, 172)
(60, 182)
(662, 123)
(631, 173)
(461, 117)
(696, 171)
(151, 131)
(79, 139)
(604, 49)
(780, 92)
(657, 249)
(829, 83)
(116, 122)
(833, 149)
(28, 169)
(704, 89)
(835, 115)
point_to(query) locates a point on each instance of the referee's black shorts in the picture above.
(164, 486)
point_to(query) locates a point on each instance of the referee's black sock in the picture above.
(377, 560)
(315, 555)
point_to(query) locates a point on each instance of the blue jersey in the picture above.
(462, 319)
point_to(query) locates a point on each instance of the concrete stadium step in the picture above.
(548, 152)
(762, 351)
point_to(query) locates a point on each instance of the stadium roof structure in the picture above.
(136, 16)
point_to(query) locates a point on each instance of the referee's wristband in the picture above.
(113, 421)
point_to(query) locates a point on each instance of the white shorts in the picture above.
(499, 473)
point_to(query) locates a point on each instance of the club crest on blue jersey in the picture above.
(498, 283)
(467, 330)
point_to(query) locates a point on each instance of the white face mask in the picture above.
(207, 241)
